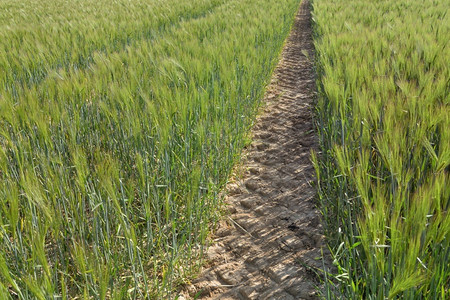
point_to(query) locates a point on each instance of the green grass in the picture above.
(119, 123)
(383, 119)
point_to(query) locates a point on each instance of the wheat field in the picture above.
(384, 117)
(119, 123)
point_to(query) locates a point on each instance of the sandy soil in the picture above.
(273, 233)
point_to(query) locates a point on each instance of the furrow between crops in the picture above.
(268, 246)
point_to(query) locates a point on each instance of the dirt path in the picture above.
(261, 250)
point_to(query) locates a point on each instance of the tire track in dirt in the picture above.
(274, 230)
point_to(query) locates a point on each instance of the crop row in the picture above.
(383, 116)
(119, 123)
